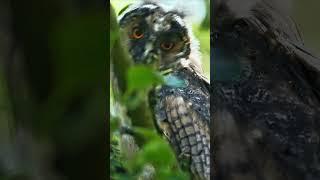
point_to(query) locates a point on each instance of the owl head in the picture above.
(157, 36)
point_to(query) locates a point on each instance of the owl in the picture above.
(163, 39)
(265, 94)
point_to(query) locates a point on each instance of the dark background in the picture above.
(53, 89)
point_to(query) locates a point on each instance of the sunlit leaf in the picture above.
(142, 77)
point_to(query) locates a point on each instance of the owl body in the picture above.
(182, 114)
(266, 120)
(163, 39)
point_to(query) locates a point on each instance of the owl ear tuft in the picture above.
(179, 13)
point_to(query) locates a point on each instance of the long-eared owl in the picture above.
(181, 106)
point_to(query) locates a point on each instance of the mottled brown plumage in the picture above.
(183, 116)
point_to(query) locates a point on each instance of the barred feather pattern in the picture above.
(182, 115)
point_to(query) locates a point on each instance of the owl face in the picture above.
(155, 36)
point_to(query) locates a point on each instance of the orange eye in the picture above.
(137, 33)
(167, 45)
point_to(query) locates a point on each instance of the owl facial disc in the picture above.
(155, 36)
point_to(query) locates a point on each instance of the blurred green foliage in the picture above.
(140, 80)
(53, 89)
(203, 35)
(156, 152)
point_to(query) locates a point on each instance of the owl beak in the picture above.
(152, 57)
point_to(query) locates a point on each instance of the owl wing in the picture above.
(182, 114)
(188, 134)
(309, 69)
(284, 38)
(197, 74)
(253, 151)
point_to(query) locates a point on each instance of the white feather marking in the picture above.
(149, 47)
(179, 20)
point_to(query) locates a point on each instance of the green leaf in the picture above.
(114, 35)
(158, 153)
(172, 174)
(123, 9)
(142, 78)
(135, 99)
(114, 29)
(148, 133)
(114, 123)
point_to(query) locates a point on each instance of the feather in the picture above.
(264, 122)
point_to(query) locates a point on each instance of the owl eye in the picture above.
(167, 45)
(137, 33)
